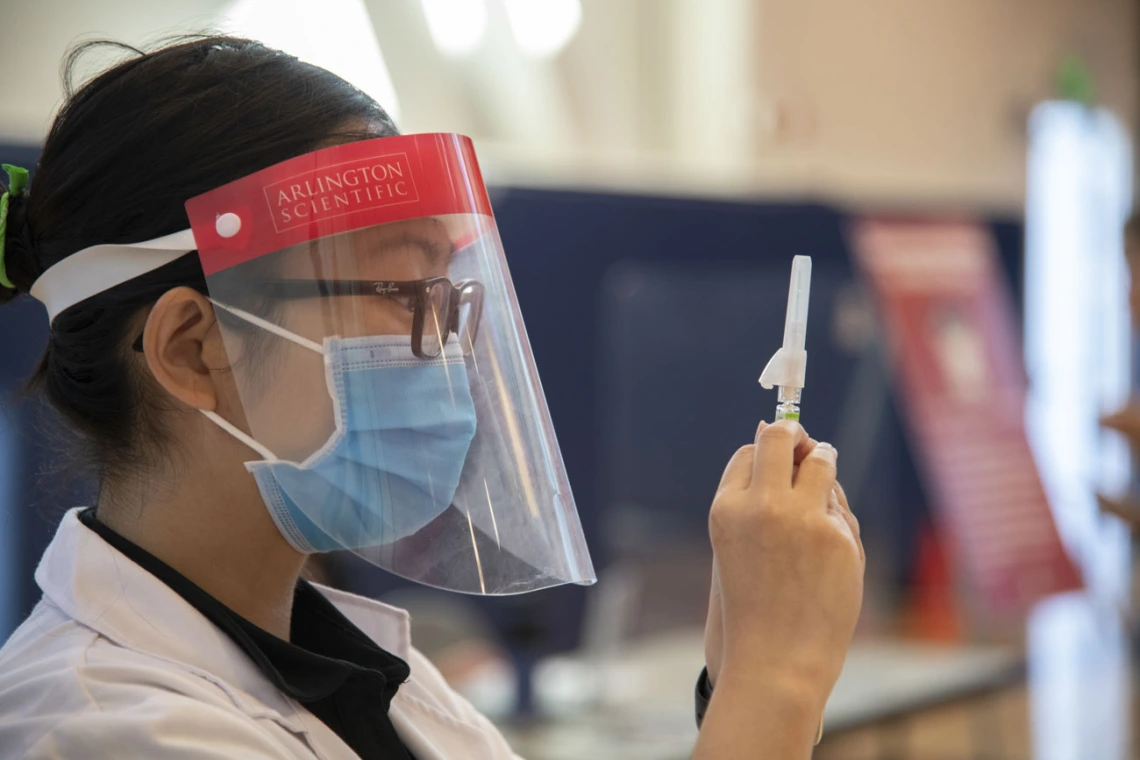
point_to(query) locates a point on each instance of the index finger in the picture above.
(775, 452)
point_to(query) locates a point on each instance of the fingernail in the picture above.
(827, 447)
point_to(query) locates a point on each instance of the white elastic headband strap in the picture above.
(101, 267)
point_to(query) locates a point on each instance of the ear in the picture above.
(183, 347)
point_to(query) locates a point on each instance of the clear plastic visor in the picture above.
(386, 378)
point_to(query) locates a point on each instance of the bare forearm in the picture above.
(759, 715)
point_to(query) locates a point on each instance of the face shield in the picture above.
(383, 370)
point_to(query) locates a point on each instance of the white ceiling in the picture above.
(877, 101)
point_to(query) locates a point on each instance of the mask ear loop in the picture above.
(240, 434)
(264, 324)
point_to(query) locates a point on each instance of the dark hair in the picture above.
(123, 155)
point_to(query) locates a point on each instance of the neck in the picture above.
(213, 528)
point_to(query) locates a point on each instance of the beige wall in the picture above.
(894, 102)
(898, 98)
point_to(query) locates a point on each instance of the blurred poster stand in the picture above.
(955, 355)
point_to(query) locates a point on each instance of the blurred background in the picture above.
(961, 173)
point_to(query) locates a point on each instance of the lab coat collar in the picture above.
(102, 589)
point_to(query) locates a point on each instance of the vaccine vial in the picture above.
(788, 406)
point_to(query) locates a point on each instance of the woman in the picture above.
(280, 328)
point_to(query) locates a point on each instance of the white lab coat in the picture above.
(113, 664)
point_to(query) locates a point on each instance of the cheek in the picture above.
(293, 416)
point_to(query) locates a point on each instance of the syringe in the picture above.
(789, 365)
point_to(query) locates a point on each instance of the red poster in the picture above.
(957, 362)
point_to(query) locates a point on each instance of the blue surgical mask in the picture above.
(404, 425)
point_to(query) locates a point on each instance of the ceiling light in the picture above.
(541, 28)
(457, 26)
(334, 34)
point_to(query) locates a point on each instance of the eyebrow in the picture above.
(437, 251)
(429, 235)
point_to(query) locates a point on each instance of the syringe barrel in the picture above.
(799, 290)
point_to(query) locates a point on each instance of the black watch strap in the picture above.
(703, 695)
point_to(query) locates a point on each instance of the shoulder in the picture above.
(77, 668)
(65, 691)
(173, 726)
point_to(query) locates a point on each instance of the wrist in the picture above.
(772, 703)
(800, 689)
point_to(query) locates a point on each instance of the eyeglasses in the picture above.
(438, 307)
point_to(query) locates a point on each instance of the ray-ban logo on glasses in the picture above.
(341, 189)
(385, 288)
